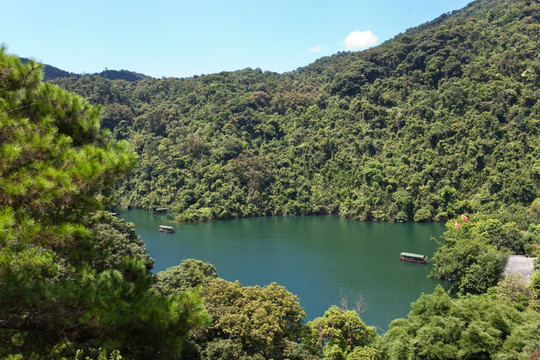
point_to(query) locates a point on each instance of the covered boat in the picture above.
(417, 258)
(165, 228)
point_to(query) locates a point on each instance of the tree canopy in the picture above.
(247, 322)
(439, 121)
(71, 276)
(472, 327)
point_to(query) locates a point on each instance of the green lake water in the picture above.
(321, 259)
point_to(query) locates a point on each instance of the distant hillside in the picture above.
(439, 121)
(50, 73)
(122, 75)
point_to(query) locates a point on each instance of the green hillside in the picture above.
(440, 121)
(51, 73)
(436, 122)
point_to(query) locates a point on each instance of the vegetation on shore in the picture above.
(440, 121)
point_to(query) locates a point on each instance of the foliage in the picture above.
(247, 322)
(340, 334)
(189, 275)
(471, 327)
(114, 355)
(60, 289)
(114, 240)
(436, 122)
(514, 289)
(262, 320)
(474, 254)
(535, 285)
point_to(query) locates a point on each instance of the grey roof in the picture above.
(521, 266)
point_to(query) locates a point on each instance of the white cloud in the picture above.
(360, 39)
(317, 48)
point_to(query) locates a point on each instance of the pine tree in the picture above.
(55, 164)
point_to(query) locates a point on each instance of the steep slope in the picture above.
(439, 121)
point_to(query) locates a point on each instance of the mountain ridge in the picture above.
(416, 129)
(51, 72)
(438, 125)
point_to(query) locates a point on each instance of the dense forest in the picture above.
(437, 123)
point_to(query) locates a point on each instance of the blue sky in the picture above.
(165, 38)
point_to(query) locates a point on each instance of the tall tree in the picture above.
(340, 334)
(55, 169)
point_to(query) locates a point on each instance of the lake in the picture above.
(321, 259)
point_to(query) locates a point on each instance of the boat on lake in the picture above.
(167, 229)
(160, 210)
(417, 258)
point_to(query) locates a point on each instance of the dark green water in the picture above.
(319, 258)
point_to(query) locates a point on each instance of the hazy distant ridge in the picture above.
(51, 72)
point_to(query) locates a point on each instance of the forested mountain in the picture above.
(51, 72)
(438, 121)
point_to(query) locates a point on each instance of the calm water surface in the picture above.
(319, 258)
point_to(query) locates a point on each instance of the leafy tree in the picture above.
(471, 327)
(249, 323)
(56, 167)
(513, 288)
(340, 334)
(188, 275)
(114, 239)
(470, 257)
